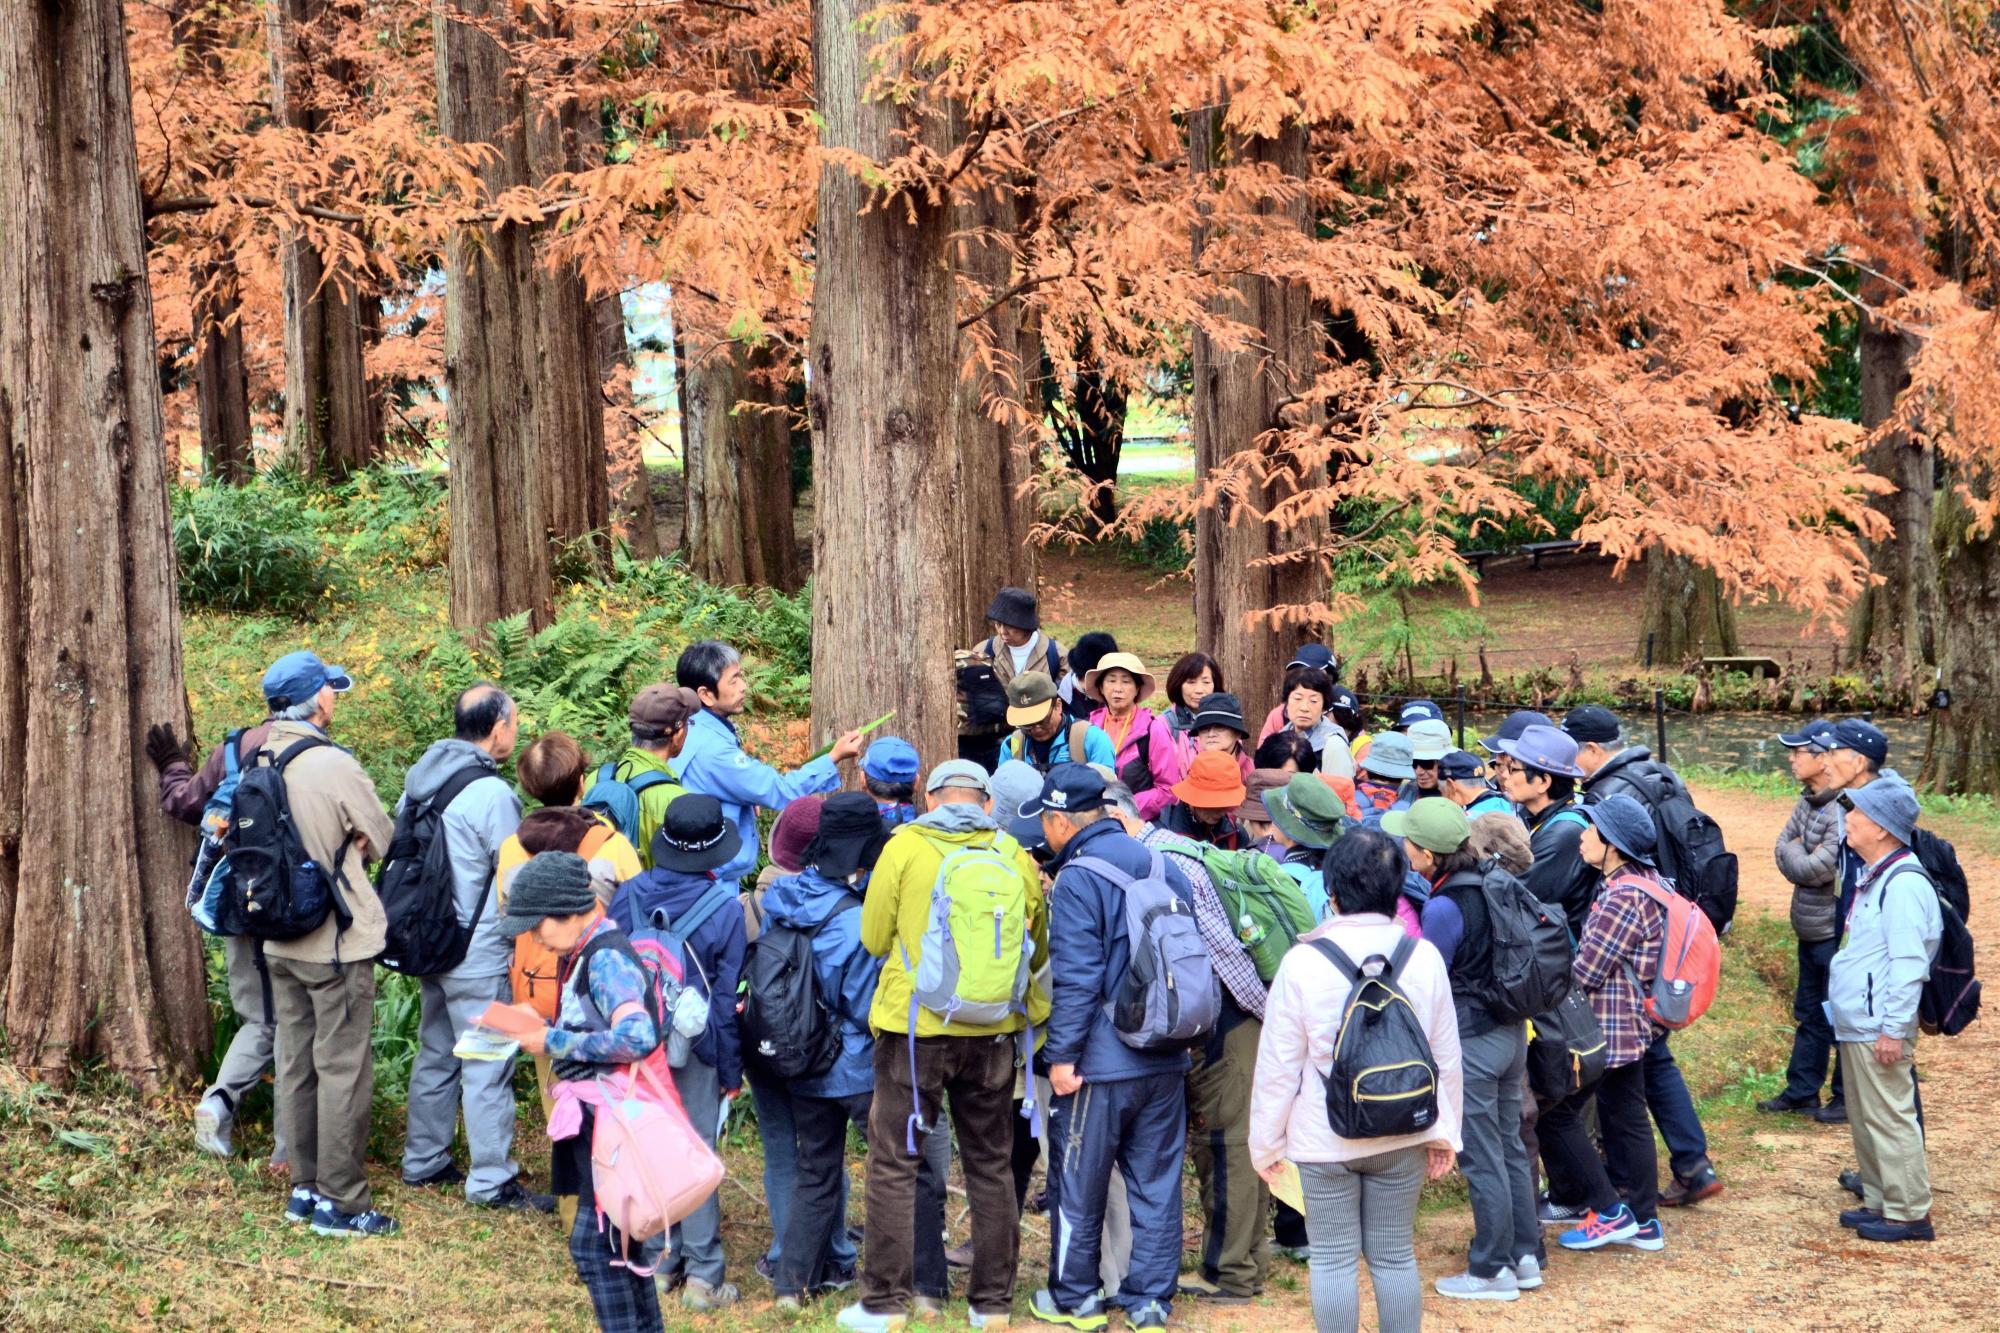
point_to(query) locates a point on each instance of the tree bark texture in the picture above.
(1965, 749)
(995, 452)
(221, 384)
(631, 486)
(1895, 624)
(736, 434)
(1238, 397)
(333, 424)
(1685, 611)
(525, 417)
(98, 959)
(884, 349)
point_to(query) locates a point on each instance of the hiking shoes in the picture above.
(1552, 1214)
(1853, 1218)
(959, 1256)
(1850, 1180)
(1089, 1317)
(1833, 1113)
(857, 1319)
(442, 1178)
(212, 1123)
(1784, 1102)
(1148, 1318)
(701, 1297)
(1649, 1236)
(1598, 1231)
(1528, 1272)
(1885, 1230)
(1703, 1184)
(1502, 1286)
(515, 1196)
(989, 1318)
(1196, 1287)
(328, 1220)
(300, 1206)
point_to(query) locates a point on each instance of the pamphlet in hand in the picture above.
(513, 1020)
(482, 1043)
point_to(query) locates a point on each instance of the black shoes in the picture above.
(512, 1195)
(1785, 1102)
(1703, 1184)
(444, 1176)
(1833, 1113)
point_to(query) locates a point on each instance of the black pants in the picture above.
(1630, 1164)
(815, 1206)
(1812, 1042)
(1027, 1151)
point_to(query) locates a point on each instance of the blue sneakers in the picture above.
(328, 1220)
(1649, 1236)
(1601, 1229)
(299, 1207)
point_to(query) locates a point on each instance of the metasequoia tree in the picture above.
(737, 440)
(98, 960)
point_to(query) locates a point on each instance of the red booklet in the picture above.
(513, 1020)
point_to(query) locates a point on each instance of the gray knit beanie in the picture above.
(550, 884)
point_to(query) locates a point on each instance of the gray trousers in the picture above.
(1495, 1161)
(1367, 1206)
(441, 1083)
(697, 1239)
(249, 1053)
(326, 1075)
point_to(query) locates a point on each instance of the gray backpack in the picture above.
(1169, 995)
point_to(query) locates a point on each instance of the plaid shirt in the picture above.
(1624, 929)
(1225, 951)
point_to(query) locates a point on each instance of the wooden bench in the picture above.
(1536, 550)
(1478, 560)
(1754, 667)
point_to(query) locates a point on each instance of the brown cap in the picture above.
(663, 708)
(1260, 781)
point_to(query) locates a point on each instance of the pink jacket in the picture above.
(1164, 757)
(1308, 997)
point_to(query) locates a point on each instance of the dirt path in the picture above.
(1770, 1253)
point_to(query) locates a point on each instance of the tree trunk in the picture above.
(995, 420)
(499, 528)
(333, 423)
(1238, 397)
(737, 443)
(884, 343)
(1895, 624)
(569, 386)
(98, 959)
(1965, 748)
(221, 385)
(1093, 435)
(1685, 611)
(631, 486)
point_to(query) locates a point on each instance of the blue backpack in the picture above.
(207, 888)
(617, 799)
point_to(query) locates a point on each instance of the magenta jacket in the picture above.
(1164, 757)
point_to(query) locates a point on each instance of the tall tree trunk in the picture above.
(569, 387)
(1896, 622)
(1091, 430)
(737, 442)
(221, 384)
(1965, 749)
(995, 418)
(1685, 611)
(333, 423)
(98, 960)
(1238, 400)
(884, 342)
(631, 485)
(499, 528)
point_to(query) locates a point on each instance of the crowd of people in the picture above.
(1099, 942)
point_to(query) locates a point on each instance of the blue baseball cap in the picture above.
(297, 677)
(1860, 736)
(1417, 710)
(1070, 789)
(890, 759)
(1817, 734)
(1517, 722)
(1315, 655)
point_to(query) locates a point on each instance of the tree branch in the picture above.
(1026, 284)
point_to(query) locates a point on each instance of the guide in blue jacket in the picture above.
(1113, 1103)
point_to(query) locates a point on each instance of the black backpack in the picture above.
(276, 891)
(1950, 999)
(1691, 850)
(1569, 1050)
(425, 937)
(789, 1029)
(1384, 1080)
(1940, 861)
(1532, 948)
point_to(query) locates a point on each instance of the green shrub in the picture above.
(390, 518)
(249, 548)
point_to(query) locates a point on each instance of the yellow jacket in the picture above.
(897, 910)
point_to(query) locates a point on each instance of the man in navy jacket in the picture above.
(1115, 1107)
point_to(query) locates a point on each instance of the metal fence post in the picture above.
(1461, 716)
(1660, 723)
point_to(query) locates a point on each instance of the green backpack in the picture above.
(974, 966)
(1260, 897)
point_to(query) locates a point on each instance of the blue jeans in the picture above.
(780, 1133)
(1673, 1111)
(1812, 1043)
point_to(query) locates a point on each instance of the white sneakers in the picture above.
(1502, 1286)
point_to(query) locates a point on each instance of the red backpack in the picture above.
(1690, 961)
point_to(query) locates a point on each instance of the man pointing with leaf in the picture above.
(713, 762)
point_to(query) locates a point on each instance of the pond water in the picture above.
(1725, 740)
